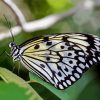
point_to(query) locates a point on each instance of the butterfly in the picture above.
(59, 59)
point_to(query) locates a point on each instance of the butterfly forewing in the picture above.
(61, 59)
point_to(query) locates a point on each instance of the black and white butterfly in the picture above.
(58, 59)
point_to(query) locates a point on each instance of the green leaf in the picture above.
(9, 77)
(13, 91)
(91, 91)
(60, 5)
(39, 8)
(74, 91)
(59, 93)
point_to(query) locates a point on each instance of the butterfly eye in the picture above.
(12, 44)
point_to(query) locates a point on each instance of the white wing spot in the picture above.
(68, 82)
(82, 66)
(97, 39)
(72, 78)
(76, 48)
(99, 58)
(87, 65)
(90, 62)
(60, 86)
(79, 70)
(64, 84)
(77, 75)
(97, 47)
(94, 60)
(81, 59)
(81, 53)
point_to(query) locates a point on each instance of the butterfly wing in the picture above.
(61, 59)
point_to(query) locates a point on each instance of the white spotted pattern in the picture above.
(59, 59)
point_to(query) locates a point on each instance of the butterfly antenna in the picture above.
(9, 26)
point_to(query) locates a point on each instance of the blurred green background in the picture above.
(84, 20)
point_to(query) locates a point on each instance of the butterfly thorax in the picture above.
(15, 51)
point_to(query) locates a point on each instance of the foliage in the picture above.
(15, 83)
(13, 92)
(43, 8)
(14, 87)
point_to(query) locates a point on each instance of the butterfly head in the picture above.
(15, 51)
(12, 45)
